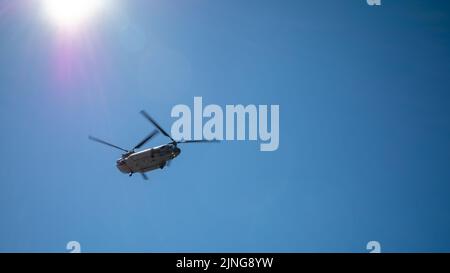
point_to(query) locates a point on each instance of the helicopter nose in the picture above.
(177, 151)
(122, 166)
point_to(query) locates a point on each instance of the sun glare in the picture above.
(72, 13)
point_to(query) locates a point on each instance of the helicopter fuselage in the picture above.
(148, 159)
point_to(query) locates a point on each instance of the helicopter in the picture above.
(143, 161)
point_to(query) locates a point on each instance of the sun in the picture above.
(72, 14)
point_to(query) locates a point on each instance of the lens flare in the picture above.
(72, 13)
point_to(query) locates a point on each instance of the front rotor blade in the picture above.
(106, 143)
(151, 135)
(156, 124)
(144, 176)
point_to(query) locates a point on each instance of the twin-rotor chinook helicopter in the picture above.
(148, 159)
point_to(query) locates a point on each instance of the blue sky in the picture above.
(364, 127)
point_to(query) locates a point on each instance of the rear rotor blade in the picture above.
(156, 124)
(198, 141)
(150, 136)
(106, 143)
